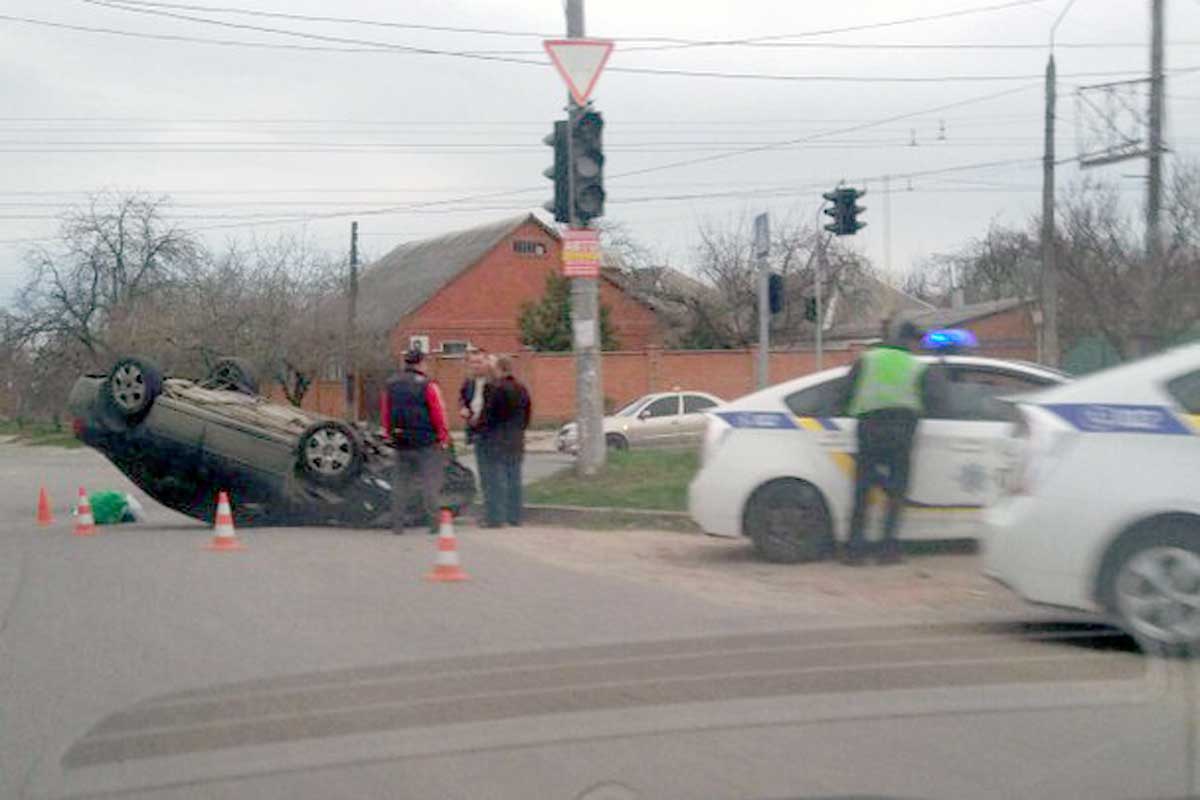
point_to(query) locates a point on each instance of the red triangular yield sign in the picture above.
(580, 62)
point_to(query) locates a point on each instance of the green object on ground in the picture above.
(656, 480)
(110, 508)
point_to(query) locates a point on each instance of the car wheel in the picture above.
(131, 387)
(1152, 586)
(615, 441)
(788, 522)
(330, 453)
(235, 374)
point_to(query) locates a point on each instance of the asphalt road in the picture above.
(319, 663)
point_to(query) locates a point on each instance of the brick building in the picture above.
(465, 289)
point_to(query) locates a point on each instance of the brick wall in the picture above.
(630, 374)
(482, 306)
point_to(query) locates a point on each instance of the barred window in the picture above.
(527, 247)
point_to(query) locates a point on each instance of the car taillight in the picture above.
(1041, 439)
(715, 431)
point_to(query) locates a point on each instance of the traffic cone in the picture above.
(45, 517)
(224, 536)
(85, 523)
(446, 567)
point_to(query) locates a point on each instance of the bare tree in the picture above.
(725, 261)
(112, 255)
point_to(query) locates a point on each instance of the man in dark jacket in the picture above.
(506, 414)
(413, 414)
(888, 390)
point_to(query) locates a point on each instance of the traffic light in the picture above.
(587, 151)
(845, 211)
(775, 292)
(810, 309)
(558, 173)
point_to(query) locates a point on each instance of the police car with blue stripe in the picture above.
(778, 465)
(1103, 510)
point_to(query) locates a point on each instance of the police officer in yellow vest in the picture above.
(886, 391)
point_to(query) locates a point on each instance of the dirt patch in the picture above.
(728, 572)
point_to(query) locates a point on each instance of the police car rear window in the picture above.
(1186, 391)
(817, 401)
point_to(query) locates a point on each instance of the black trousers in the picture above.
(420, 473)
(500, 472)
(885, 443)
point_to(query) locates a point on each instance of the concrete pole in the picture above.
(1157, 113)
(1049, 349)
(349, 365)
(585, 312)
(764, 325)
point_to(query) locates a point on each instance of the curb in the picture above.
(611, 518)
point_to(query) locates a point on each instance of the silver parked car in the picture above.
(663, 419)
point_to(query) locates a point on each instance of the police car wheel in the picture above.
(1151, 584)
(788, 522)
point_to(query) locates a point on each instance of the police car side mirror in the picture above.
(644, 414)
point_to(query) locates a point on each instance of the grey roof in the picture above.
(861, 310)
(407, 277)
(659, 286)
(949, 317)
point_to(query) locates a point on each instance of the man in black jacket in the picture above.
(413, 415)
(506, 414)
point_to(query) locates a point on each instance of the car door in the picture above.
(656, 424)
(692, 421)
(960, 453)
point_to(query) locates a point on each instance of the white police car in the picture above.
(1103, 512)
(778, 465)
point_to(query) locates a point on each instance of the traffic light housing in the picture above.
(845, 211)
(560, 205)
(810, 309)
(775, 292)
(587, 154)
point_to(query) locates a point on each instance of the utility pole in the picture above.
(1157, 112)
(1049, 332)
(349, 367)
(762, 245)
(585, 302)
(887, 224)
(820, 278)
(1049, 349)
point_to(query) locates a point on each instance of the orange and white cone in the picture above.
(224, 536)
(45, 516)
(446, 567)
(85, 523)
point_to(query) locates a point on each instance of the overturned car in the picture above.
(182, 441)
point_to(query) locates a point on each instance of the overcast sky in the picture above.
(251, 141)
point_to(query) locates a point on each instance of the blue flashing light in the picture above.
(947, 338)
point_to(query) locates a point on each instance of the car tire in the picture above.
(330, 453)
(234, 374)
(131, 388)
(788, 522)
(616, 442)
(1150, 584)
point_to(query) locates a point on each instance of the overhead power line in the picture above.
(389, 46)
(670, 40)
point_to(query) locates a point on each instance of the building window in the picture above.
(419, 343)
(455, 348)
(527, 247)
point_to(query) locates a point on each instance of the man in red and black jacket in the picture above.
(412, 413)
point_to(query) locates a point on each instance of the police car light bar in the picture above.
(949, 338)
